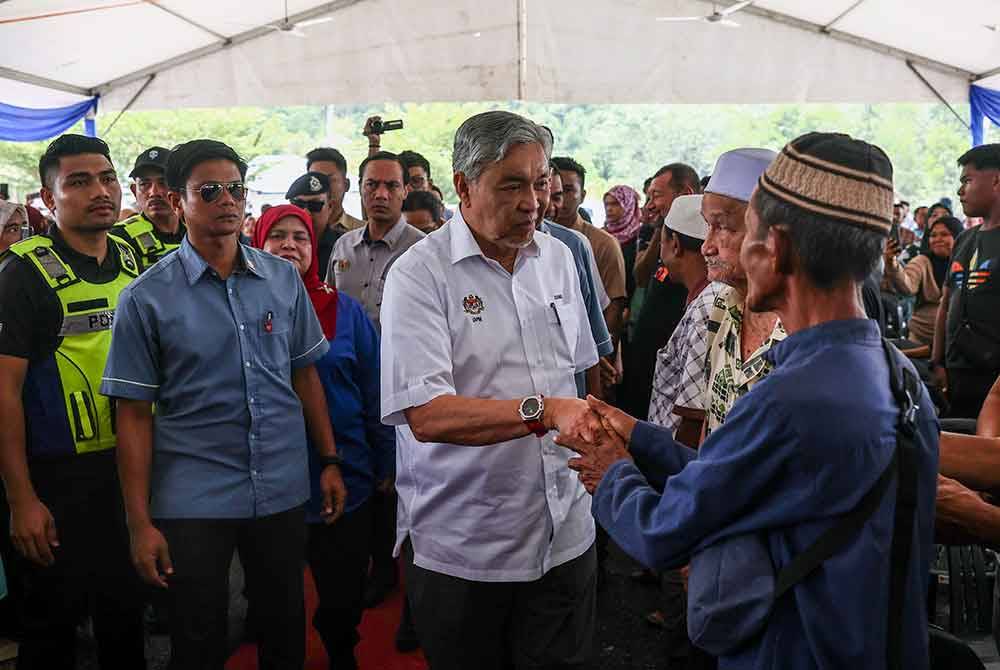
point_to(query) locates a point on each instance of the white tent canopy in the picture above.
(199, 53)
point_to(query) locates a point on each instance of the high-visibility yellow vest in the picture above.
(64, 411)
(141, 233)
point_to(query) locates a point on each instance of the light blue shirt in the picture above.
(216, 356)
(583, 258)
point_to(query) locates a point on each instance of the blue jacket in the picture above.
(350, 375)
(795, 453)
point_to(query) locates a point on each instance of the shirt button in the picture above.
(243, 326)
(366, 285)
(248, 363)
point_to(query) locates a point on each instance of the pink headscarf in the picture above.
(627, 227)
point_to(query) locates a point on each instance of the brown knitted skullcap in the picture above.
(835, 176)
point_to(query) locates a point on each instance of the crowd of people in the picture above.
(739, 380)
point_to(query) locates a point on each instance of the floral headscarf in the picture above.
(627, 227)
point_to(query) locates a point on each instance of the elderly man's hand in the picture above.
(595, 456)
(617, 420)
(571, 417)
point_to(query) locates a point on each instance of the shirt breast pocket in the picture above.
(273, 332)
(564, 329)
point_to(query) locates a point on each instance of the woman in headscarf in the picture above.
(338, 553)
(924, 276)
(621, 211)
(13, 218)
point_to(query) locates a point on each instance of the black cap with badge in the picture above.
(154, 157)
(311, 183)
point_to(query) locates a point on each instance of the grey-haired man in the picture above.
(483, 329)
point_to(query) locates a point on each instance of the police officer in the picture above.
(156, 230)
(58, 293)
(311, 192)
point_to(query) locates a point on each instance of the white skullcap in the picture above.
(685, 217)
(737, 171)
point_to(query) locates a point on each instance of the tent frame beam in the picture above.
(841, 36)
(923, 80)
(828, 27)
(35, 80)
(986, 75)
(191, 22)
(235, 40)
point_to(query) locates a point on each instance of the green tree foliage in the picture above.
(618, 144)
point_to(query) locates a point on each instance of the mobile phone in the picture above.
(894, 233)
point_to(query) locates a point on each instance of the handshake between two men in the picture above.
(596, 431)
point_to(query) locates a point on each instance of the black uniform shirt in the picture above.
(30, 312)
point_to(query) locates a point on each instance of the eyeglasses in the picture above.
(210, 191)
(313, 206)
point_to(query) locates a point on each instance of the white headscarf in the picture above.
(7, 210)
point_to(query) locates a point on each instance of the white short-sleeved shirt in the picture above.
(457, 323)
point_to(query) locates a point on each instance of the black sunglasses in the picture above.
(210, 191)
(313, 206)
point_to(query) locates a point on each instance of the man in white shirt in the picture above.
(483, 328)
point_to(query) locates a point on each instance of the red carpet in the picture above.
(376, 651)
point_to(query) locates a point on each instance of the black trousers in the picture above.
(544, 624)
(383, 536)
(92, 572)
(271, 550)
(968, 389)
(338, 558)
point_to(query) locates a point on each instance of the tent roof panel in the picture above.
(88, 49)
(395, 50)
(21, 94)
(932, 29)
(231, 17)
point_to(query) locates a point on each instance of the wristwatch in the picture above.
(531, 410)
(326, 461)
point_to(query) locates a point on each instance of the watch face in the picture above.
(530, 408)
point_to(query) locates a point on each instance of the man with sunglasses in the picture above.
(223, 338)
(311, 192)
(156, 230)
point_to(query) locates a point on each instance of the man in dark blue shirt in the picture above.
(805, 445)
(223, 338)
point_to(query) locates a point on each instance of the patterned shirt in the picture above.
(729, 377)
(681, 375)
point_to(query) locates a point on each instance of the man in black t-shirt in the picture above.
(58, 295)
(966, 356)
(664, 302)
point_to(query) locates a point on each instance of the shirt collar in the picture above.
(578, 224)
(340, 222)
(463, 242)
(845, 331)
(71, 255)
(390, 238)
(195, 266)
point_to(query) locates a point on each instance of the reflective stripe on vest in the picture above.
(83, 421)
(151, 248)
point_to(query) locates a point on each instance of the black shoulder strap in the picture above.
(837, 536)
(905, 389)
